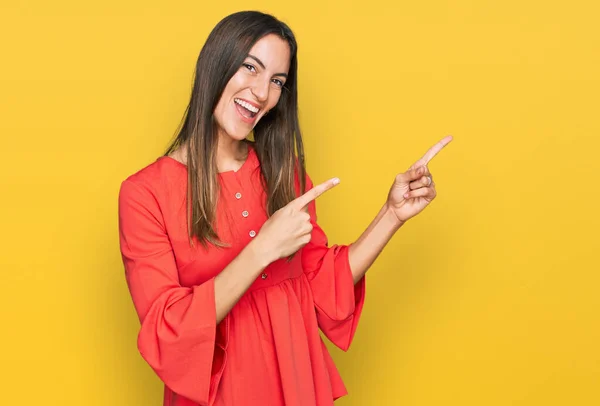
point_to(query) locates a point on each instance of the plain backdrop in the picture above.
(488, 297)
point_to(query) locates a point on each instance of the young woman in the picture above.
(229, 272)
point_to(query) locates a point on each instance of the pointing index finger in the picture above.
(302, 201)
(433, 151)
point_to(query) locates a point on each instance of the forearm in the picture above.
(237, 277)
(369, 245)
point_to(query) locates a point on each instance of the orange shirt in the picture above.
(267, 350)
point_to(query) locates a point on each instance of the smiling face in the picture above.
(254, 89)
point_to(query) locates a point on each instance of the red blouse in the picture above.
(267, 350)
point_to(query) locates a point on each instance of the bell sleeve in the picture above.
(338, 301)
(178, 337)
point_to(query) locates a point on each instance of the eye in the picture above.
(278, 82)
(251, 68)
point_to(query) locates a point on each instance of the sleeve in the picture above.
(338, 301)
(178, 336)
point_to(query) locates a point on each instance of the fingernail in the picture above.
(406, 195)
(336, 181)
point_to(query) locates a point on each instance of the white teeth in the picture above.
(246, 105)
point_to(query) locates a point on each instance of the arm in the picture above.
(363, 252)
(338, 299)
(236, 278)
(410, 193)
(179, 336)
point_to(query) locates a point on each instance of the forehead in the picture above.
(274, 52)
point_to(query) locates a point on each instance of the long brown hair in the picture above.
(277, 135)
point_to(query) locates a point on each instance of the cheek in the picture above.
(236, 83)
(274, 98)
(232, 87)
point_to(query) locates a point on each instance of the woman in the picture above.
(229, 272)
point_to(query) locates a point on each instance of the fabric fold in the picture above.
(338, 301)
(178, 336)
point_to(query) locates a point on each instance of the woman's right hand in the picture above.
(289, 228)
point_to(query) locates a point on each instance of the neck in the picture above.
(231, 154)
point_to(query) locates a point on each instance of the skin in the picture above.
(289, 229)
(411, 192)
(258, 81)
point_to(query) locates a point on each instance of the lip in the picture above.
(242, 117)
(250, 103)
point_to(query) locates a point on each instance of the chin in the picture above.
(238, 134)
(237, 130)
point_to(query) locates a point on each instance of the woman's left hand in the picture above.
(414, 189)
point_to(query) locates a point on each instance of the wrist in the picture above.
(392, 217)
(260, 252)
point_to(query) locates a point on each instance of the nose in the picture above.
(260, 89)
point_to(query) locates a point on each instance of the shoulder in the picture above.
(153, 180)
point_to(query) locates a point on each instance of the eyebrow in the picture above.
(262, 65)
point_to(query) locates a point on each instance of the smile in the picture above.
(247, 106)
(246, 110)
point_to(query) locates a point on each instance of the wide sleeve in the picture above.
(338, 301)
(178, 336)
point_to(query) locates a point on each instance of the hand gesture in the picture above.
(289, 228)
(414, 189)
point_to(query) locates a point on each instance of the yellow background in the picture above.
(489, 297)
